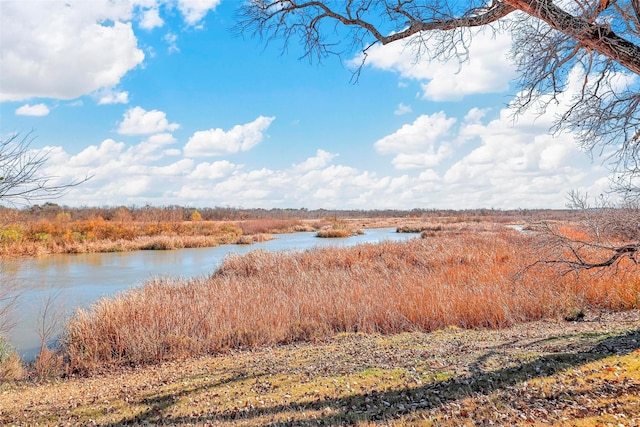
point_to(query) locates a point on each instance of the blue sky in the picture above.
(162, 104)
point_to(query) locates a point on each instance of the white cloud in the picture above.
(420, 144)
(150, 19)
(487, 71)
(194, 10)
(109, 96)
(138, 121)
(484, 159)
(540, 176)
(38, 110)
(62, 49)
(216, 142)
(519, 163)
(402, 109)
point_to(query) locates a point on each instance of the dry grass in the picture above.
(272, 226)
(11, 368)
(338, 229)
(335, 233)
(419, 228)
(469, 280)
(98, 235)
(254, 238)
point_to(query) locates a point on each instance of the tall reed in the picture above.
(469, 280)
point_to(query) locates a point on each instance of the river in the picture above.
(72, 281)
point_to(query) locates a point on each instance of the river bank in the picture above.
(72, 281)
(549, 371)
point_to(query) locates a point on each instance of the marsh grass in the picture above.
(419, 228)
(272, 226)
(467, 279)
(338, 229)
(98, 235)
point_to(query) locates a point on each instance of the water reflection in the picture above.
(80, 279)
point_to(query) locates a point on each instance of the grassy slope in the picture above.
(585, 373)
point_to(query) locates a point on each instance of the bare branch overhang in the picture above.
(627, 251)
(482, 16)
(597, 37)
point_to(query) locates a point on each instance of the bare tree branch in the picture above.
(608, 236)
(20, 172)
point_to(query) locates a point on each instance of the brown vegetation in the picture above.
(467, 279)
(63, 235)
(272, 226)
(51, 228)
(338, 229)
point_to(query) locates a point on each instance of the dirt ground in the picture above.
(551, 372)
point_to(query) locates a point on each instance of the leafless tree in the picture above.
(21, 178)
(600, 37)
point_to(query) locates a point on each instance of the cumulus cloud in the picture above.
(484, 159)
(519, 163)
(38, 110)
(488, 69)
(89, 45)
(64, 49)
(216, 142)
(138, 121)
(194, 10)
(419, 144)
(502, 174)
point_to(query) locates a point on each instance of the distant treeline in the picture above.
(173, 213)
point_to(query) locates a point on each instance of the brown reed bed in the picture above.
(338, 229)
(468, 280)
(273, 226)
(254, 238)
(97, 235)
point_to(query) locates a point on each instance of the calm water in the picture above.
(73, 281)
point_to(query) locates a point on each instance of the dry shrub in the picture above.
(99, 235)
(269, 225)
(48, 364)
(468, 280)
(334, 233)
(11, 368)
(254, 238)
(419, 228)
(338, 229)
